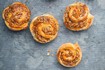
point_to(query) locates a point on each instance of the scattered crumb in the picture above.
(52, 54)
(49, 50)
(48, 53)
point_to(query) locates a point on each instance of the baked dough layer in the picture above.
(16, 16)
(44, 28)
(69, 55)
(77, 17)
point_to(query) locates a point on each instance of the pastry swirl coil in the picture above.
(44, 28)
(16, 16)
(77, 17)
(69, 55)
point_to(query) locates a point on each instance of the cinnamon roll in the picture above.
(77, 17)
(44, 28)
(16, 16)
(69, 55)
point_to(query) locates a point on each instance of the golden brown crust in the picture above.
(16, 16)
(69, 55)
(77, 17)
(44, 28)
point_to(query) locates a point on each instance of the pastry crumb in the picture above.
(49, 50)
(48, 53)
(52, 54)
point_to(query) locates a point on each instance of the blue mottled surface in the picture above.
(18, 50)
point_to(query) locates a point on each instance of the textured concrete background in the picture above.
(18, 50)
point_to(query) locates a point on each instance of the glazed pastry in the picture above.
(69, 55)
(16, 16)
(77, 17)
(44, 28)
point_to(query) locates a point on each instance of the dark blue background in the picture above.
(18, 50)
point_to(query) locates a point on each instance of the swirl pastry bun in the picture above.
(44, 28)
(77, 17)
(16, 16)
(69, 55)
